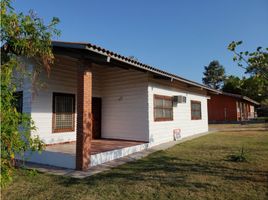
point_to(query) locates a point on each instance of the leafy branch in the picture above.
(256, 62)
(23, 36)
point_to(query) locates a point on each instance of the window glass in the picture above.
(196, 110)
(163, 110)
(63, 112)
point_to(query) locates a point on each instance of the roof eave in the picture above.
(69, 45)
(250, 100)
(89, 47)
(240, 97)
(152, 70)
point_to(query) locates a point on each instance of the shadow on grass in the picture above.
(169, 171)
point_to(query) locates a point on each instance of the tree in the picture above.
(23, 36)
(254, 88)
(232, 84)
(256, 64)
(251, 87)
(214, 75)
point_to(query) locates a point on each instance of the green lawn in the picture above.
(196, 169)
(238, 126)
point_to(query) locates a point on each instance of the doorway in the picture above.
(96, 118)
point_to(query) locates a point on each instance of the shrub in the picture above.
(239, 157)
(23, 36)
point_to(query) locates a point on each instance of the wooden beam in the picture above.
(161, 77)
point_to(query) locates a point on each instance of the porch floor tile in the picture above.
(97, 146)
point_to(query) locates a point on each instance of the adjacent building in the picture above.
(227, 107)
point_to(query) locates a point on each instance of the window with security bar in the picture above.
(196, 110)
(163, 108)
(63, 112)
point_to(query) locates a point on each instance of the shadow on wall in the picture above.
(51, 158)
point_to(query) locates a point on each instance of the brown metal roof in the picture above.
(124, 59)
(241, 97)
(111, 54)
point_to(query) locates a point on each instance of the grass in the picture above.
(238, 126)
(262, 118)
(197, 169)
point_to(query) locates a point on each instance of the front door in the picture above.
(96, 117)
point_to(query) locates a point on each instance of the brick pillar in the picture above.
(84, 117)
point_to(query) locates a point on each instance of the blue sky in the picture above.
(178, 36)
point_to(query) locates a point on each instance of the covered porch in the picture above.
(97, 146)
(101, 151)
(94, 145)
(99, 111)
(110, 110)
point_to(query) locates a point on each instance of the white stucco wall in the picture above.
(62, 78)
(162, 131)
(127, 105)
(124, 101)
(124, 104)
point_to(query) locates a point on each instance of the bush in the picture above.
(16, 127)
(23, 36)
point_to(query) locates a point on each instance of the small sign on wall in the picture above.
(177, 134)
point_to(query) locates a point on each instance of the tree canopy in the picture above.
(254, 86)
(251, 87)
(256, 65)
(23, 36)
(214, 75)
(232, 84)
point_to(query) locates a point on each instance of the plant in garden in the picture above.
(23, 37)
(239, 157)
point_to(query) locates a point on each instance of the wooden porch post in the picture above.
(84, 117)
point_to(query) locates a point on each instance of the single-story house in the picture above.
(227, 107)
(97, 105)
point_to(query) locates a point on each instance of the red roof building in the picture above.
(227, 107)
